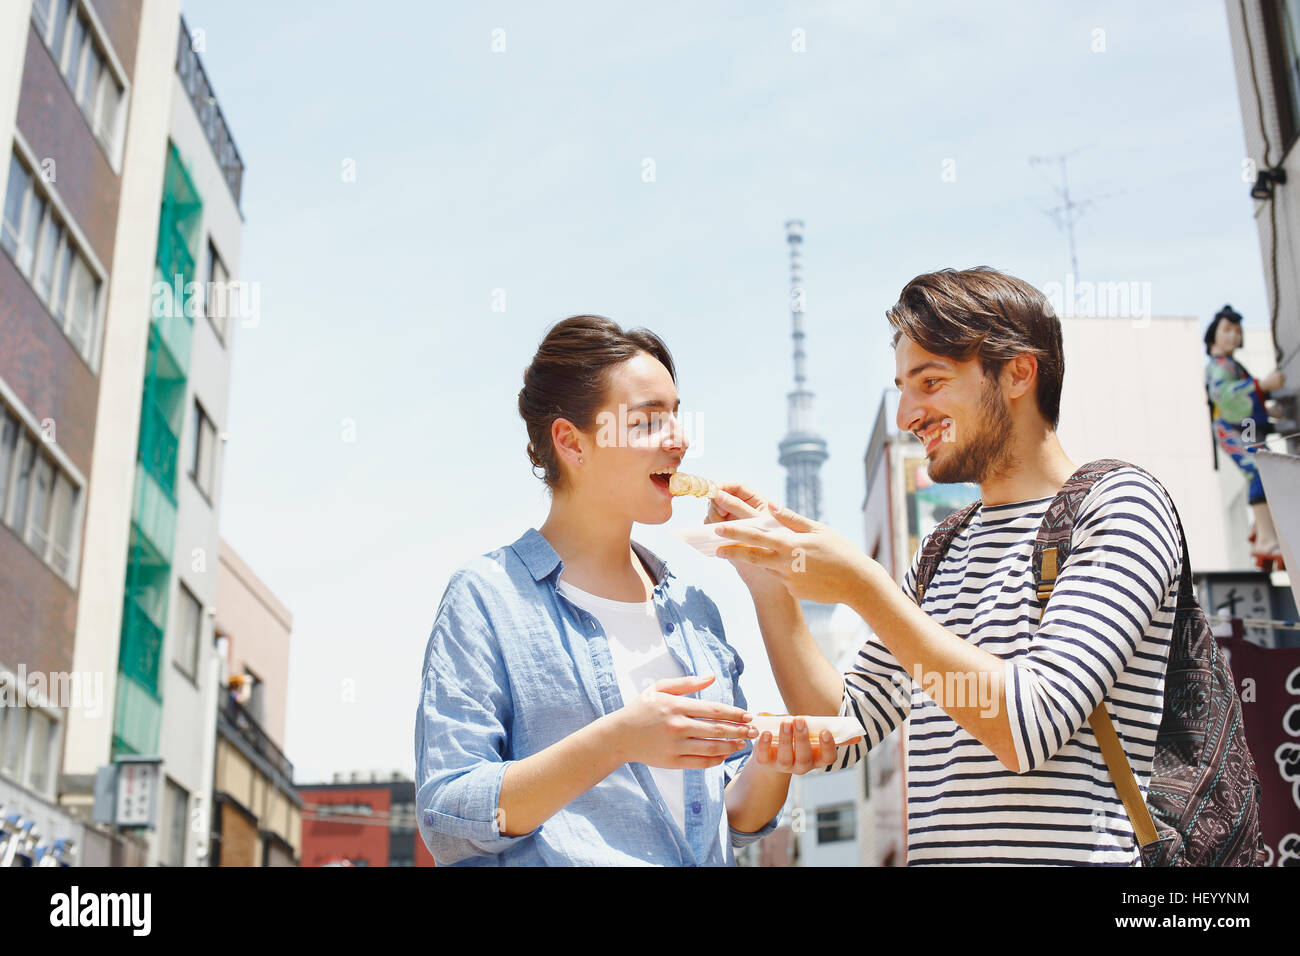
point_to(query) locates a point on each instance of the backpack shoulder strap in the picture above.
(936, 546)
(1051, 548)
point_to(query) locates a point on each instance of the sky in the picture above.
(430, 185)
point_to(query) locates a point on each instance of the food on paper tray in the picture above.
(843, 729)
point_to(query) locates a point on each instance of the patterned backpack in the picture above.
(1202, 806)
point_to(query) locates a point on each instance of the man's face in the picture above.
(956, 411)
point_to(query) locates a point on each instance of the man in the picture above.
(1002, 766)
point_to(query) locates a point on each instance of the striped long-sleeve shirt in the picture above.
(1105, 633)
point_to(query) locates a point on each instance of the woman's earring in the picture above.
(580, 461)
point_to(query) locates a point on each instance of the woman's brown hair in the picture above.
(986, 313)
(568, 378)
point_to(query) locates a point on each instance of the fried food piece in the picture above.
(683, 484)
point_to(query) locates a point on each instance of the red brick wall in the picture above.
(41, 367)
(121, 21)
(55, 128)
(328, 841)
(39, 617)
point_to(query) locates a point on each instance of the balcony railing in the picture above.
(242, 723)
(195, 80)
(154, 513)
(142, 642)
(158, 445)
(137, 719)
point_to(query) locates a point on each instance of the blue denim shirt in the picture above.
(513, 666)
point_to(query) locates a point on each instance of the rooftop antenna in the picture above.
(1068, 211)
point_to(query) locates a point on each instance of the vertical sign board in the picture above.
(137, 792)
(1268, 682)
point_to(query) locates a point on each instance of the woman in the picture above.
(1240, 419)
(580, 704)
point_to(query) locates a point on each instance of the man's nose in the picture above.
(909, 414)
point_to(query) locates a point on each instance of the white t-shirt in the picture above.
(641, 657)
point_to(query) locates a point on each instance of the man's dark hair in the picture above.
(986, 313)
(568, 378)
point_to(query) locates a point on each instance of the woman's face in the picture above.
(636, 437)
(1227, 337)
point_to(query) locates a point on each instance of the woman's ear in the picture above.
(569, 442)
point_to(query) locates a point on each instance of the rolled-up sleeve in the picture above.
(733, 765)
(460, 730)
(877, 691)
(1124, 562)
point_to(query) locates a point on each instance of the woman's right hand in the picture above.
(663, 728)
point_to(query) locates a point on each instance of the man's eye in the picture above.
(930, 381)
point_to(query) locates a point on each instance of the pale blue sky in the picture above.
(522, 171)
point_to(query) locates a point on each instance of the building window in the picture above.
(38, 748)
(189, 630)
(836, 824)
(80, 54)
(203, 436)
(28, 736)
(216, 292)
(177, 807)
(43, 248)
(13, 747)
(37, 498)
(402, 816)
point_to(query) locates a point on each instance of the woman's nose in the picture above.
(675, 435)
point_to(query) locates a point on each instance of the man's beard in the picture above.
(987, 454)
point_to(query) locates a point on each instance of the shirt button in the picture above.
(695, 807)
(669, 627)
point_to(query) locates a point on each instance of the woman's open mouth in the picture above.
(660, 479)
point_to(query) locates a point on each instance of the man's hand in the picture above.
(733, 502)
(811, 560)
(1273, 381)
(794, 752)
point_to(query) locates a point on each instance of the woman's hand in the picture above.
(662, 728)
(794, 751)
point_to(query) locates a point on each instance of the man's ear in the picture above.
(1021, 375)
